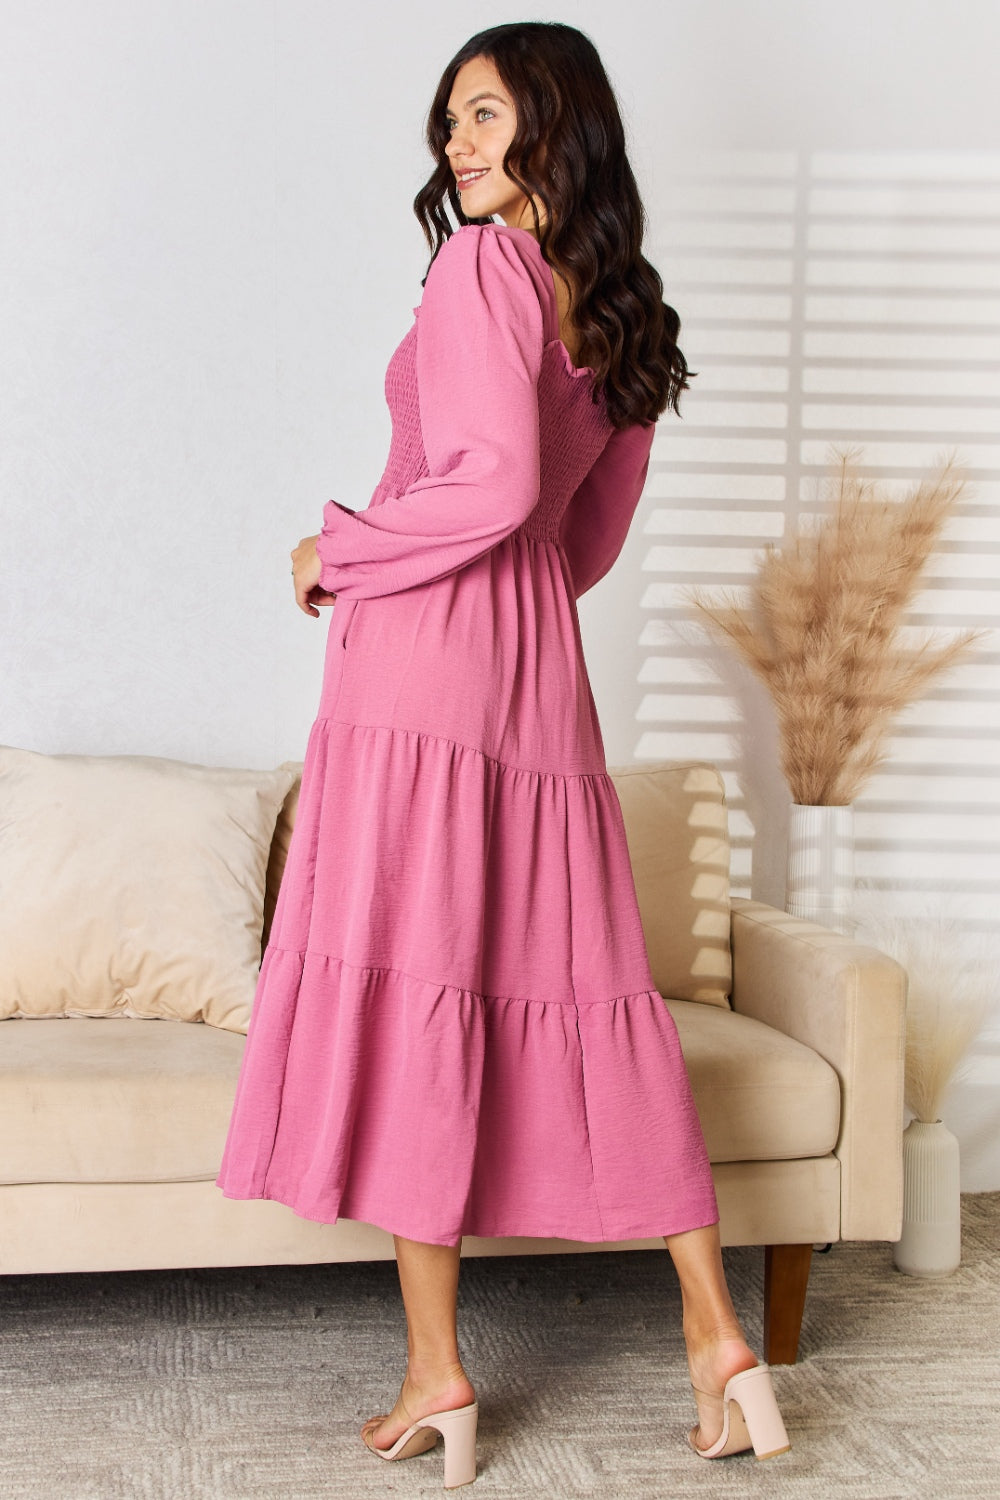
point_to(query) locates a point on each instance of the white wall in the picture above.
(208, 255)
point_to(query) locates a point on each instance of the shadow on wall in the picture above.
(726, 716)
(840, 297)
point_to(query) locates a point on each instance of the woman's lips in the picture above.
(466, 179)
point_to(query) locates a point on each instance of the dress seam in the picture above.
(579, 1038)
(444, 739)
(446, 984)
(586, 1116)
(281, 1103)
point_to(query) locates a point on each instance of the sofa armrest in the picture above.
(847, 1002)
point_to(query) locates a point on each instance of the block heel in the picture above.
(458, 1428)
(750, 1417)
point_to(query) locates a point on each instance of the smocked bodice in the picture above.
(573, 431)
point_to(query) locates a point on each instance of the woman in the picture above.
(456, 1030)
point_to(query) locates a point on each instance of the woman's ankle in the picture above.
(432, 1377)
(702, 1331)
(715, 1356)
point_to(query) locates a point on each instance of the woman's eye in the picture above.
(482, 113)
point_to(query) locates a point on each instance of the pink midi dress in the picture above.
(456, 1030)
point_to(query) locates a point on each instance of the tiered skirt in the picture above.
(456, 1029)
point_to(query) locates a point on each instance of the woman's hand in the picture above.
(306, 568)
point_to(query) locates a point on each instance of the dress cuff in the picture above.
(326, 542)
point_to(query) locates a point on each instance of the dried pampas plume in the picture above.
(822, 628)
(952, 986)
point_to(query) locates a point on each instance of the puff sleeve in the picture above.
(479, 348)
(598, 517)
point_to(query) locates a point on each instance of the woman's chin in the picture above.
(476, 206)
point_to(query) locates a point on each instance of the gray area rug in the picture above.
(245, 1384)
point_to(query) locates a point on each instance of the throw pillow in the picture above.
(132, 886)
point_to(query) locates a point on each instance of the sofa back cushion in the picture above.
(132, 886)
(279, 844)
(678, 840)
(678, 843)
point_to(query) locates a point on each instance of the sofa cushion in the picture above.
(132, 885)
(114, 1100)
(678, 841)
(760, 1095)
(117, 1100)
(280, 843)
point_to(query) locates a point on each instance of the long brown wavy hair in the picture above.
(568, 152)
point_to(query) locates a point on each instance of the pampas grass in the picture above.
(952, 984)
(822, 630)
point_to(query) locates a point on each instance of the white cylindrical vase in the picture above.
(931, 1242)
(820, 874)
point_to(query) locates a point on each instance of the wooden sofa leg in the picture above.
(786, 1277)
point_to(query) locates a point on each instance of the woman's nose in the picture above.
(458, 144)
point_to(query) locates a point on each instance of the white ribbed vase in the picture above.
(820, 875)
(931, 1243)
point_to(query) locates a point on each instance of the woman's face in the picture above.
(482, 121)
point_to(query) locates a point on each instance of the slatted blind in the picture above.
(841, 298)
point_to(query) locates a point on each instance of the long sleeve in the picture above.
(480, 337)
(598, 517)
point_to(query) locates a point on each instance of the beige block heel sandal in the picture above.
(750, 1417)
(458, 1428)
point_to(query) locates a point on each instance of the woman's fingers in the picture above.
(306, 568)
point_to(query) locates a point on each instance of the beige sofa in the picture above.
(122, 881)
